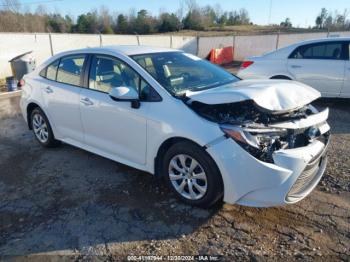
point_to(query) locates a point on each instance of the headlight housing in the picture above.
(259, 140)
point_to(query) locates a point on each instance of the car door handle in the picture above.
(296, 66)
(86, 101)
(48, 90)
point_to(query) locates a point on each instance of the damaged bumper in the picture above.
(294, 173)
(251, 182)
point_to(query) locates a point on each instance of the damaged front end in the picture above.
(262, 132)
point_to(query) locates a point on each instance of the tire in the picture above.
(210, 189)
(42, 129)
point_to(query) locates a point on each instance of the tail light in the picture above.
(21, 83)
(245, 64)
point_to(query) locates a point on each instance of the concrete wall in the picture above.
(205, 44)
(253, 45)
(159, 41)
(43, 45)
(64, 42)
(285, 40)
(119, 40)
(187, 43)
(12, 45)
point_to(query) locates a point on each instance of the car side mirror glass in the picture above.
(126, 94)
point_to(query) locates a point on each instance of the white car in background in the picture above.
(322, 64)
(172, 114)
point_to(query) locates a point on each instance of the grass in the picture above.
(241, 30)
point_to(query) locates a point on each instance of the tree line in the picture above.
(326, 20)
(189, 16)
(333, 20)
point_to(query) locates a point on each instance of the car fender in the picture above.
(187, 125)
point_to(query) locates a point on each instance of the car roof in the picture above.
(126, 49)
(286, 50)
(319, 40)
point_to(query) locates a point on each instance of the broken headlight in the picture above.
(259, 141)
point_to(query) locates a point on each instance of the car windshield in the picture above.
(179, 72)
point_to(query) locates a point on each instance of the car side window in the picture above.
(50, 71)
(331, 50)
(70, 69)
(107, 72)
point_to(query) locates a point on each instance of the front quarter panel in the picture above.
(171, 118)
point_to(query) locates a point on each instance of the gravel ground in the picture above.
(68, 204)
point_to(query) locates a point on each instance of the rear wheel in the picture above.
(42, 129)
(192, 174)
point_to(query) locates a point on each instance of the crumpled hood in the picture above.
(272, 95)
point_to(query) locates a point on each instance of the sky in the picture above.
(301, 12)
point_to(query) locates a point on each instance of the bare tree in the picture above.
(191, 5)
(41, 10)
(11, 5)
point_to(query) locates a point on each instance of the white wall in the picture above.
(285, 40)
(207, 43)
(119, 40)
(152, 40)
(64, 42)
(13, 44)
(253, 45)
(186, 43)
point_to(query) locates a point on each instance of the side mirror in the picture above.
(126, 94)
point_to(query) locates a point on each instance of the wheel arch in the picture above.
(165, 145)
(281, 76)
(30, 107)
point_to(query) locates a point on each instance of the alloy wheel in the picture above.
(187, 177)
(40, 128)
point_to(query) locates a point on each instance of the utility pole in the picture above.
(269, 20)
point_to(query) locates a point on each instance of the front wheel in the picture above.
(192, 174)
(42, 129)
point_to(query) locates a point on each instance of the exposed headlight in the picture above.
(260, 141)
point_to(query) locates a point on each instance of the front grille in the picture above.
(306, 177)
(310, 176)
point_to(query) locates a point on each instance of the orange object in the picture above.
(221, 55)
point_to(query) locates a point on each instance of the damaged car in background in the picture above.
(211, 135)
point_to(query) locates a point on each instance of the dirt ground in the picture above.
(68, 204)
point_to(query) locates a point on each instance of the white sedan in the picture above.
(323, 64)
(174, 115)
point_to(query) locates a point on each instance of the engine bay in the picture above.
(249, 126)
(246, 112)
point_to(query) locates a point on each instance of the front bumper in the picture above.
(251, 182)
